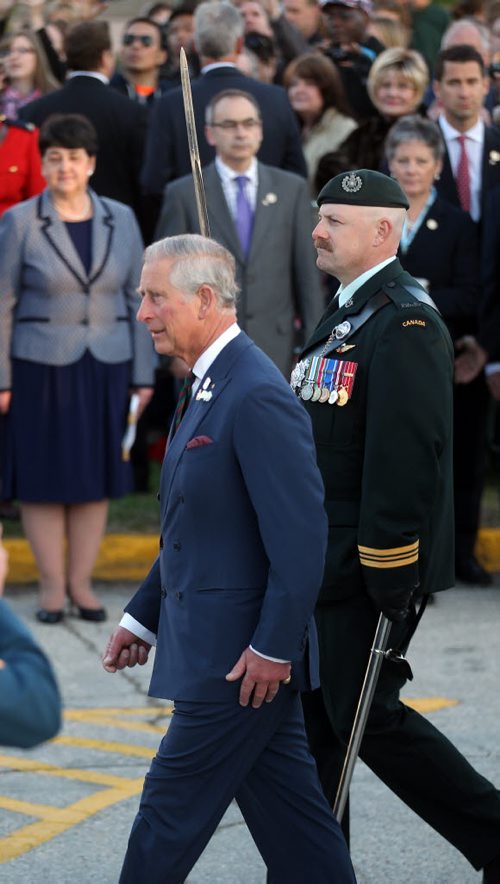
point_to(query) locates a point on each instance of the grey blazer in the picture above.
(279, 278)
(51, 311)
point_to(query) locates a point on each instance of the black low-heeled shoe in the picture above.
(94, 615)
(50, 617)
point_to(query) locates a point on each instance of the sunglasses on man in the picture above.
(144, 39)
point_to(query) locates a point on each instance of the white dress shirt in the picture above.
(344, 294)
(474, 144)
(228, 181)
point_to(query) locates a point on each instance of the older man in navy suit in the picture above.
(230, 598)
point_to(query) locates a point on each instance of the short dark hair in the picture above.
(461, 53)
(70, 131)
(85, 43)
(143, 20)
(229, 93)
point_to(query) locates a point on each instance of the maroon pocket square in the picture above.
(199, 440)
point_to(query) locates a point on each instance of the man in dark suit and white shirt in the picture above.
(471, 168)
(218, 39)
(229, 600)
(263, 216)
(119, 122)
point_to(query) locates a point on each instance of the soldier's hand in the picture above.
(393, 604)
(124, 649)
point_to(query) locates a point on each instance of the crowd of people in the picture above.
(381, 118)
(329, 83)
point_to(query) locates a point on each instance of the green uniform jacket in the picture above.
(386, 455)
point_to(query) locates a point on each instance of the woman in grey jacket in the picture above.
(70, 351)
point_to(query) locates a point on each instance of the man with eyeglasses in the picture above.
(262, 215)
(218, 39)
(143, 52)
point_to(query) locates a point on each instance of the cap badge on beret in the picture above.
(352, 183)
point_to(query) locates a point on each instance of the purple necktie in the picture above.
(244, 214)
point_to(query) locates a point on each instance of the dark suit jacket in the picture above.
(243, 534)
(445, 251)
(279, 278)
(30, 705)
(121, 130)
(386, 456)
(489, 320)
(446, 184)
(167, 151)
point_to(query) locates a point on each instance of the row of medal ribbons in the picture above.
(323, 380)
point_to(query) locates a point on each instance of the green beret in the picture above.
(363, 187)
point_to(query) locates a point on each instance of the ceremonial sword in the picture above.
(194, 153)
(377, 654)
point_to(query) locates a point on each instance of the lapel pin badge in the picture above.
(494, 157)
(269, 199)
(432, 224)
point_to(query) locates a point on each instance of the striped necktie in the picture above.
(463, 176)
(182, 402)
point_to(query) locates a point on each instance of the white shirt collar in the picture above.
(217, 64)
(350, 289)
(209, 355)
(475, 133)
(95, 74)
(228, 174)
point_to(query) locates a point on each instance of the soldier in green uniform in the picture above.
(376, 379)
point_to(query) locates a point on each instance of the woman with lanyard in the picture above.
(439, 246)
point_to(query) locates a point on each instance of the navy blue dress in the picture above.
(66, 423)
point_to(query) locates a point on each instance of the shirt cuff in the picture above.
(265, 656)
(491, 368)
(133, 625)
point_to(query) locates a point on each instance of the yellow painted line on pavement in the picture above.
(59, 820)
(429, 704)
(99, 778)
(107, 746)
(114, 718)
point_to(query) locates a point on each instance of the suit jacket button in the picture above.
(177, 546)
(181, 498)
(178, 596)
(391, 284)
(163, 593)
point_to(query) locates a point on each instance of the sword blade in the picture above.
(194, 153)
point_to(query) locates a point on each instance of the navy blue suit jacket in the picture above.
(243, 534)
(167, 152)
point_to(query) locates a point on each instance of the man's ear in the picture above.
(209, 135)
(207, 299)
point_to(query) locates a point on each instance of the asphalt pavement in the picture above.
(66, 807)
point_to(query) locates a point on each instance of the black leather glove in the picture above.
(393, 603)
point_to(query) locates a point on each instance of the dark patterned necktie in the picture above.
(463, 176)
(183, 401)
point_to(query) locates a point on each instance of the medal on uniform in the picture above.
(306, 392)
(298, 373)
(341, 330)
(342, 396)
(346, 382)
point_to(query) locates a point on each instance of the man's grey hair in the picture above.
(217, 27)
(198, 261)
(414, 128)
(460, 32)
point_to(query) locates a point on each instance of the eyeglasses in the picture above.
(231, 125)
(144, 39)
(19, 50)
